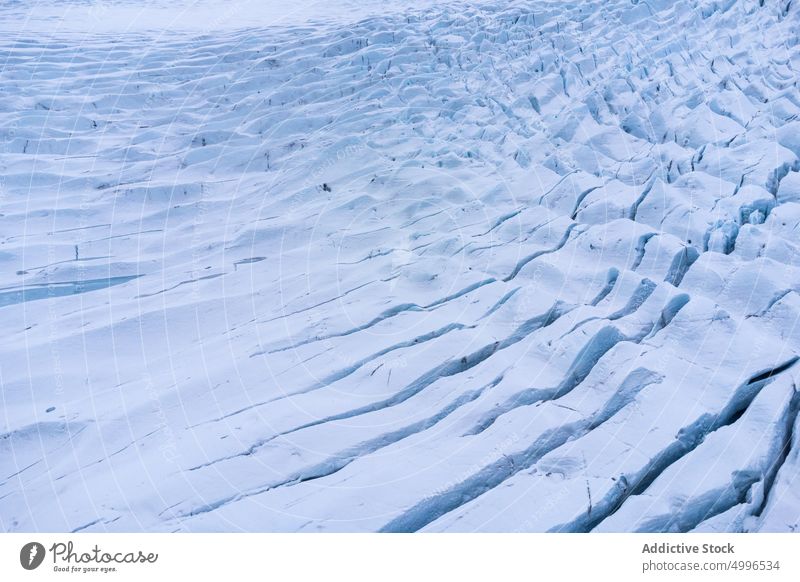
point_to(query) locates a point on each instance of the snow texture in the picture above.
(394, 266)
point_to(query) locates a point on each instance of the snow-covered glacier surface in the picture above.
(486, 266)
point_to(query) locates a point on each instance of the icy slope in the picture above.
(528, 267)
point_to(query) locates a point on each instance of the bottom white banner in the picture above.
(426, 557)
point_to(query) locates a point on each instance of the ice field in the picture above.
(400, 266)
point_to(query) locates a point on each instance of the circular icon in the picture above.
(31, 555)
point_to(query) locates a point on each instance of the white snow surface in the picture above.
(395, 266)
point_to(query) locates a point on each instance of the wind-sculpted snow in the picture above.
(483, 267)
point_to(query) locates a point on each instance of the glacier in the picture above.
(527, 266)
